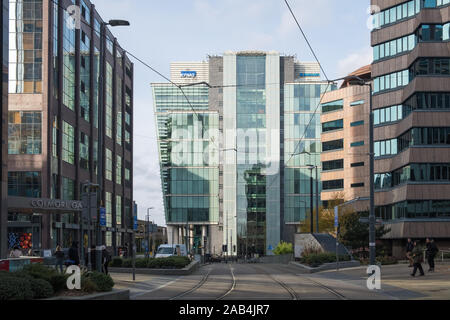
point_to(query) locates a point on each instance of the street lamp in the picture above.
(147, 254)
(312, 167)
(101, 128)
(372, 244)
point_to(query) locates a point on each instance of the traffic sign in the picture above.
(336, 217)
(103, 217)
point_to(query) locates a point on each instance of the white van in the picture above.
(171, 250)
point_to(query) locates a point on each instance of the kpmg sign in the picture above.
(189, 74)
(307, 75)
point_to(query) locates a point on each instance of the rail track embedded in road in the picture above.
(233, 284)
(197, 286)
(291, 291)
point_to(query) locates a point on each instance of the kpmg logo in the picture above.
(189, 74)
(304, 75)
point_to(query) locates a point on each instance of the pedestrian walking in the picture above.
(431, 253)
(106, 259)
(409, 249)
(59, 254)
(93, 253)
(417, 255)
(74, 257)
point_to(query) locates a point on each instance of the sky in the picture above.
(189, 30)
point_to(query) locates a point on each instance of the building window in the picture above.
(119, 111)
(357, 164)
(109, 100)
(55, 135)
(85, 81)
(118, 211)
(333, 184)
(333, 145)
(332, 106)
(24, 184)
(119, 170)
(333, 165)
(333, 125)
(109, 166)
(84, 151)
(108, 207)
(357, 144)
(357, 185)
(357, 103)
(25, 46)
(24, 132)
(95, 89)
(68, 145)
(127, 174)
(357, 123)
(68, 189)
(68, 62)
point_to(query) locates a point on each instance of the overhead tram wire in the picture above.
(306, 39)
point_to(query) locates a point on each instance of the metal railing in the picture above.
(442, 254)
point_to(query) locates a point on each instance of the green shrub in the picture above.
(14, 288)
(59, 281)
(127, 263)
(41, 289)
(116, 262)
(102, 281)
(87, 285)
(141, 263)
(284, 248)
(386, 260)
(318, 259)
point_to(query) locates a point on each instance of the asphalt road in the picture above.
(249, 282)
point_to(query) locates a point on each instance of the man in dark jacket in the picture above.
(106, 259)
(417, 255)
(409, 249)
(431, 252)
(73, 254)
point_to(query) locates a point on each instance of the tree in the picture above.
(354, 233)
(284, 248)
(326, 221)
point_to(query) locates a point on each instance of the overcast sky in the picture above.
(163, 31)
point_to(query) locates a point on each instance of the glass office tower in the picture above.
(302, 147)
(187, 130)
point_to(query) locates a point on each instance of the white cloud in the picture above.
(355, 60)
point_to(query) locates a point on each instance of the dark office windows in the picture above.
(357, 123)
(24, 132)
(421, 209)
(333, 106)
(357, 164)
(333, 184)
(24, 184)
(333, 165)
(357, 185)
(416, 173)
(430, 66)
(68, 145)
(68, 189)
(84, 151)
(333, 125)
(357, 144)
(333, 145)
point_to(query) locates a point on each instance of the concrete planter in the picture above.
(173, 272)
(115, 294)
(327, 266)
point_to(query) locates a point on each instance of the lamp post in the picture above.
(372, 244)
(101, 128)
(312, 167)
(147, 254)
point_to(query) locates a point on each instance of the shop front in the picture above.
(38, 224)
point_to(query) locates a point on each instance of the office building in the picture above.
(411, 100)
(222, 142)
(345, 143)
(54, 93)
(4, 23)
